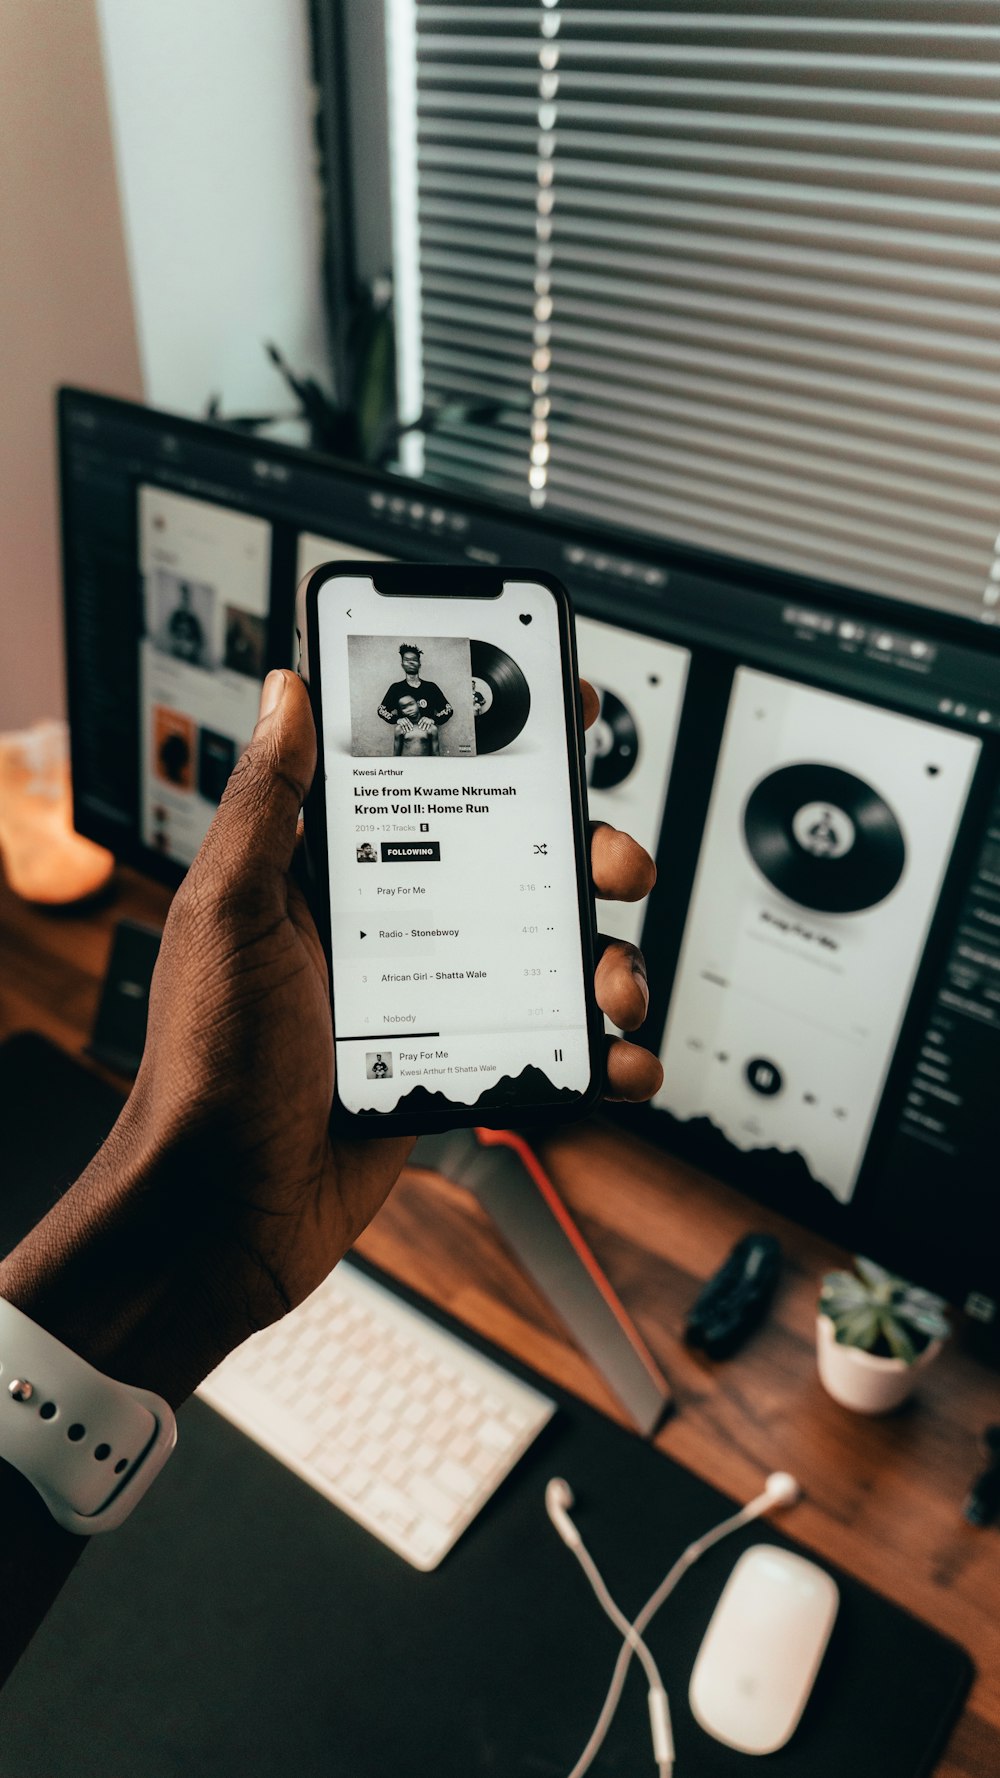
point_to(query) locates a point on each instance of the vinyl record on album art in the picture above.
(500, 697)
(824, 838)
(612, 743)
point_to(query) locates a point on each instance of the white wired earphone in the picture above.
(780, 1489)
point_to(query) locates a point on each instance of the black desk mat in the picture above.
(240, 1627)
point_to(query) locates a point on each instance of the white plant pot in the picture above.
(861, 1381)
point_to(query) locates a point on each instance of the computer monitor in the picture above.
(815, 770)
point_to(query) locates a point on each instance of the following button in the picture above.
(410, 851)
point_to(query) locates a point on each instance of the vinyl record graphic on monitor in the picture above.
(500, 697)
(824, 838)
(612, 743)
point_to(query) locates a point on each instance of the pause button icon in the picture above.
(558, 1055)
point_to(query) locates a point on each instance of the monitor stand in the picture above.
(505, 1173)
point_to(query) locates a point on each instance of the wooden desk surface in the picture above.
(882, 1497)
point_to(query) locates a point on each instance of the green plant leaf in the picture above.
(926, 1321)
(897, 1339)
(859, 1327)
(841, 1291)
(925, 1299)
(874, 1275)
(872, 1308)
(836, 1280)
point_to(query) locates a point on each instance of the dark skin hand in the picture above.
(220, 1199)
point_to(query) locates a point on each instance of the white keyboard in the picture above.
(403, 1426)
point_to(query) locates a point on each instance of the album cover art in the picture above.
(246, 642)
(173, 747)
(217, 755)
(612, 743)
(829, 832)
(640, 681)
(824, 837)
(432, 697)
(500, 697)
(410, 697)
(181, 616)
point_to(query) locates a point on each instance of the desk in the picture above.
(883, 1498)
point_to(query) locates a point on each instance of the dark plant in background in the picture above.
(363, 425)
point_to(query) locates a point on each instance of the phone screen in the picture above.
(456, 918)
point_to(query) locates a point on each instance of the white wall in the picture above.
(159, 216)
(211, 118)
(65, 313)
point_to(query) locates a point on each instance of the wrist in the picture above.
(110, 1271)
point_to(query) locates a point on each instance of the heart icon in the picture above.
(526, 617)
(932, 771)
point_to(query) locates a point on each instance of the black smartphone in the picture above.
(447, 841)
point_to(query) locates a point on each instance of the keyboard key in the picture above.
(385, 1500)
(484, 1462)
(354, 1481)
(494, 1434)
(425, 1538)
(435, 1501)
(456, 1478)
(332, 1464)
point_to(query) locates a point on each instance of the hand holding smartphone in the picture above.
(447, 839)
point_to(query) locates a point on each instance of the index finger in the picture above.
(591, 703)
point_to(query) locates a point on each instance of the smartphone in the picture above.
(447, 843)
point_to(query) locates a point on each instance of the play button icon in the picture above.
(763, 1076)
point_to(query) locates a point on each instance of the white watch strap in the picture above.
(88, 1444)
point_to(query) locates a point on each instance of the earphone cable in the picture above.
(632, 1641)
(645, 1617)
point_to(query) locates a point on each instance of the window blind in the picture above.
(727, 277)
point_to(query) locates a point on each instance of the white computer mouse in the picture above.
(762, 1650)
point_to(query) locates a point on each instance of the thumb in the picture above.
(257, 818)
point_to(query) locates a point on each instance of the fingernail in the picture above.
(639, 972)
(271, 694)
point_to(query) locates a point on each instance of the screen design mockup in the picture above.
(455, 918)
(640, 681)
(830, 828)
(205, 575)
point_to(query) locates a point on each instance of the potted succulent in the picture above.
(874, 1334)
